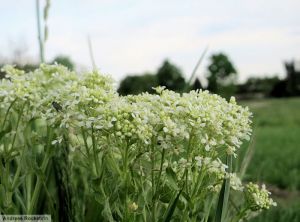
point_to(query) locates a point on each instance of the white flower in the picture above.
(235, 182)
(198, 161)
(58, 140)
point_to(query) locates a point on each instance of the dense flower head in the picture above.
(258, 198)
(168, 120)
(235, 182)
(91, 98)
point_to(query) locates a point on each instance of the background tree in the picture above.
(255, 85)
(293, 78)
(221, 75)
(64, 60)
(171, 77)
(168, 75)
(136, 84)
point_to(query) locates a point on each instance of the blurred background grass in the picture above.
(276, 158)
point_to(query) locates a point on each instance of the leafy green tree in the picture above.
(221, 75)
(64, 60)
(171, 77)
(168, 75)
(136, 84)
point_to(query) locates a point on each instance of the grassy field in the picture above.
(276, 158)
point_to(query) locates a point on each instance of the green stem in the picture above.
(160, 170)
(222, 205)
(39, 182)
(227, 187)
(18, 171)
(97, 164)
(85, 142)
(125, 171)
(6, 114)
(17, 174)
(240, 215)
(28, 190)
(187, 159)
(153, 210)
(20, 201)
(209, 208)
(18, 122)
(199, 182)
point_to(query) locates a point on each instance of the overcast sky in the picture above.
(131, 37)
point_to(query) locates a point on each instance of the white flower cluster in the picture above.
(212, 166)
(90, 99)
(167, 119)
(186, 134)
(258, 198)
(235, 182)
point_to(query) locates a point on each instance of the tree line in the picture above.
(221, 76)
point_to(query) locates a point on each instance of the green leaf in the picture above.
(95, 182)
(172, 208)
(165, 194)
(2, 194)
(171, 178)
(106, 212)
(5, 131)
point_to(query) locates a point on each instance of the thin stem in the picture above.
(85, 142)
(222, 205)
(41, 42)
(20, 200)
(153, 210)
(97, 164)
(209, 208)
(91, 53)
(199, 182)
(160, 169)
(17, 174)
(39, 182)
(28, 189)
(6, 114)
(187, 159)
(240, 215)
(18, 121)
(227, 187)
(125, 171)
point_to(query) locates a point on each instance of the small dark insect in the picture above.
(56, 106)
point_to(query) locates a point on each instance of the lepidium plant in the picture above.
(72, 147)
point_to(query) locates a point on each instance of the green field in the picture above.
(276, 158)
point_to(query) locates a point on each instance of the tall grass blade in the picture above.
(247, 157)
(46, 14)
(196, 67)
(172, 207)
(40, 38)
(91, 52)
(222, 206)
